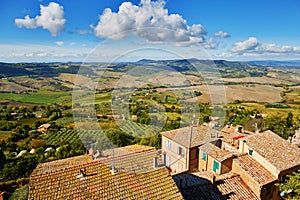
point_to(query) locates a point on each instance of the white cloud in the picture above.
(41, 53)
(59, 43)
(222, 34)
(27, 22)
(246, 45)
(51, 18)
(149, 20)
(251, 47)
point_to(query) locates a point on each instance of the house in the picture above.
(257, 177)
(181, 146)
(135, 175)
(278, 157)
(38, 115)
(43, 128)
(14, 115)
(276, 154)
(213, 158)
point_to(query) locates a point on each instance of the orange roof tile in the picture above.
(279, 152)
(135, 178)
(191, 136)
(215, 152)
(255, 170)
(58, 165)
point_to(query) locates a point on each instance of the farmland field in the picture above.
(40, 97)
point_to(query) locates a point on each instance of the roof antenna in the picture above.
(192, 130)
(113, 170)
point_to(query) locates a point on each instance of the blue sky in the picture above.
(102, 30)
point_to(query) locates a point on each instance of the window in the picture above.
(250, 152)
(167, 161)
(216, 166)
(168, 144)
(204, 156)
(180, 167)
(181, 151)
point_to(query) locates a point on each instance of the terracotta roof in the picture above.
(215, 152)
(255, 170)
(182, 136)
(198, 186)
(44, 126)
(229, 133)
(235, 188)
(279, 152)
(125, 150)
(134, 178)
(228, 129)
(58, 165)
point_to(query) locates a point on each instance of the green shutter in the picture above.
(204, 156)
(216, 166)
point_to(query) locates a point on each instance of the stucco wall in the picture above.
(174, 158)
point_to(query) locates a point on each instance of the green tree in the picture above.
(119, 138)
(2, 158)
(292, 184)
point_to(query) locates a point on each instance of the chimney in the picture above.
(155, 162)
(83, 172)
(113, 170)
(239, 129)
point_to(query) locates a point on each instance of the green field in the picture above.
(40, 97)
(269, 111)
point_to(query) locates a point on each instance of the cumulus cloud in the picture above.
(51, 18)
(222, 34)
(246, 45)
(149, 20)
(251, 46)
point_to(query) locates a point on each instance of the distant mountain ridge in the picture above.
(276, 63)
(241, 68)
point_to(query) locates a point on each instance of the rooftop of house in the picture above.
(44, 126)
(127, 176)
(57, 165)
(279, 152)
(191, 136)
(229, 133)
(125, 150)
(255, 170)
(198, 186)
(215, 152)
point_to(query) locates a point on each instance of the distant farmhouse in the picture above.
(44, 128)
(195, 162)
